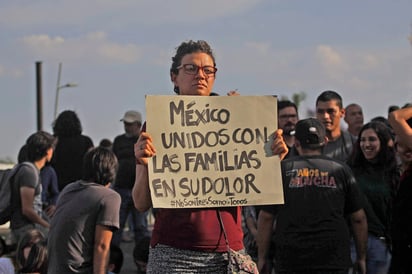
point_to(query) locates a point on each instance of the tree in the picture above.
(298, 98)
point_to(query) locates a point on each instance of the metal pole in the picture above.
(57, 90)
(39, 96)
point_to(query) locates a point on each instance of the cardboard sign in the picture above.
(213, 151)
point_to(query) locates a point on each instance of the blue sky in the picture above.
(119, 51)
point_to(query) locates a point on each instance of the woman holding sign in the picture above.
(190, 240)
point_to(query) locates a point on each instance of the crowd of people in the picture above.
(378, 157)
(336, 228)
(67, 203)
(347, 195)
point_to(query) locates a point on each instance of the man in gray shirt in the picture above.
(87, 213)
(26, 185)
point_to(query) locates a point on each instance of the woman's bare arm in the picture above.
(398, 120)
(143, 150)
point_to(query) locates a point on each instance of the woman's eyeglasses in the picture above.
(193, 69)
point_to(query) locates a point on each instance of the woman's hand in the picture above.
(144, 149)
(279, 146)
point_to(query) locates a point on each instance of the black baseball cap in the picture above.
(310, 133)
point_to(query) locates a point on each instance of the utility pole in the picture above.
(39, 95)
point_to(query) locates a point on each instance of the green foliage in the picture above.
(297, 98)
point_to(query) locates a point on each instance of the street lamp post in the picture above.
(58, 88)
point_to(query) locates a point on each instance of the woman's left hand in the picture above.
(279, 146)
(144, 149)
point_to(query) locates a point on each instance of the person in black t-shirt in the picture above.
(311, 232)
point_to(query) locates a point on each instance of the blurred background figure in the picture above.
(287, 118)
(70, 149)
(354, 118)
(401, 122)
(249, 226)
(106, 143)
(50, 190)
(123, 148)
(141, 254)
(116, 259)
(6, 263)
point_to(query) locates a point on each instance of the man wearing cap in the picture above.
(123, 148)
(311, 234)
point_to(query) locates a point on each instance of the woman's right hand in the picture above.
(144, 149)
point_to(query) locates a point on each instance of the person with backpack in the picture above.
(26, 186)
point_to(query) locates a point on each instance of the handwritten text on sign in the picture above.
(213, 151)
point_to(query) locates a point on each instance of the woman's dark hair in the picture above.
(381, 119)
(36, 261)
(386, 157)
(188, 48)
(67, 124)
(99, 166)
(106, 143)
(384, 121)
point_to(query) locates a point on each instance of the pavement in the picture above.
(129, 266)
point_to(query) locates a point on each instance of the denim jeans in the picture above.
(378, 257)
(139, 220)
